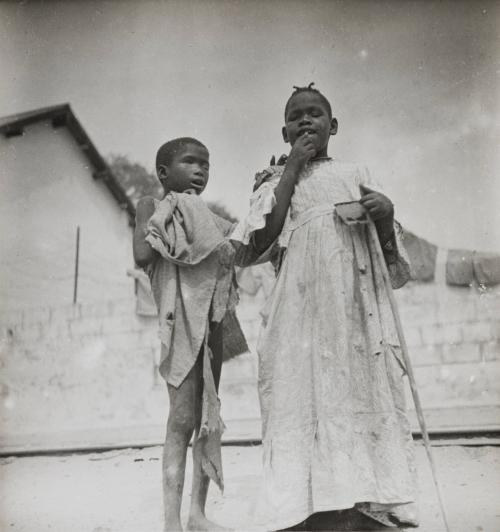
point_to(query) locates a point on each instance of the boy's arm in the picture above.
(144, 254)
(302, 150)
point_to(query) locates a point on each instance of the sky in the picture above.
(414, 85)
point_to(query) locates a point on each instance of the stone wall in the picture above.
(89, 371)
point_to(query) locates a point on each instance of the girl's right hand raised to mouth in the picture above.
(302, 150)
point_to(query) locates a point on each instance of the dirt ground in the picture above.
(120, 490)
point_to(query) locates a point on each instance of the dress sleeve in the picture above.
(396, 257)
(262, 202)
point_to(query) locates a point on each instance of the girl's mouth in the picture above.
(306, 131)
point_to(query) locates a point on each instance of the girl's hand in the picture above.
(377, 205)
(281, 160)
(302, 150)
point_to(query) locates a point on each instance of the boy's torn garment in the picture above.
(144, 301)
(193, 284)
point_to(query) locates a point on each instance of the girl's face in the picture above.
(188, 170)
(307, 113)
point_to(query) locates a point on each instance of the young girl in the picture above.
(335, 435)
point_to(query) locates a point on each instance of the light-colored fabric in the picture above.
(341, 190)
(193, 284)
(486, 268)
(422, 255)
(335, 432)
(261, 204)
(144, 301)
(459, 267)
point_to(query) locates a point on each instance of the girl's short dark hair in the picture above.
(310, 88)
(170, 149)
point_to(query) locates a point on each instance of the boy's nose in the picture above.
(306, 119)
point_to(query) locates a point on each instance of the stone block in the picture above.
(417, 293)
(457, 305)
(417, 314)
(413, 336)
(36, 315)
(85, 327)
(454, 385)
(425, 355)
(490, 350)
(438, 334)
(462, 352)
(242, 367)
(477, 332)
(11, 318)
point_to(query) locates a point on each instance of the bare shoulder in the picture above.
(145, 206)
(146, 202)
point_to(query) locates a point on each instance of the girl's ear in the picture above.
(285, 134)
(334, 126)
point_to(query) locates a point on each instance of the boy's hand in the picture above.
(377, 205)
(302, 150)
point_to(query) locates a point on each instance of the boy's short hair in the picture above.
(170, 149)
(310, 88)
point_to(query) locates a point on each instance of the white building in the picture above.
(54, 180)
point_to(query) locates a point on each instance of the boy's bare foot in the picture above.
(172, 526)
(201, 523)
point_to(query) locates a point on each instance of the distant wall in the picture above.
(47, 191)
(93, 367)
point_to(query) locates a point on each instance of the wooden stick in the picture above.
(407, 361)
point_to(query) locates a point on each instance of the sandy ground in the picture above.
(120, 491)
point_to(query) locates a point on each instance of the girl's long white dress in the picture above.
(335, 432)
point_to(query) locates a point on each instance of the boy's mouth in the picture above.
(198, 184)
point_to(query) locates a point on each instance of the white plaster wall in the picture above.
(47, 190)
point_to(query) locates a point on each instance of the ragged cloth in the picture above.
(193, 284)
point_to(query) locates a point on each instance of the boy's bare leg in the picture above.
(197, 519)
(180, 427)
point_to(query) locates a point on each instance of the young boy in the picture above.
(183, 247)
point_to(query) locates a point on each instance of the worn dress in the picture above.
(335, 433)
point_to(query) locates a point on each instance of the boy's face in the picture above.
(307, 113)
(188, 170)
